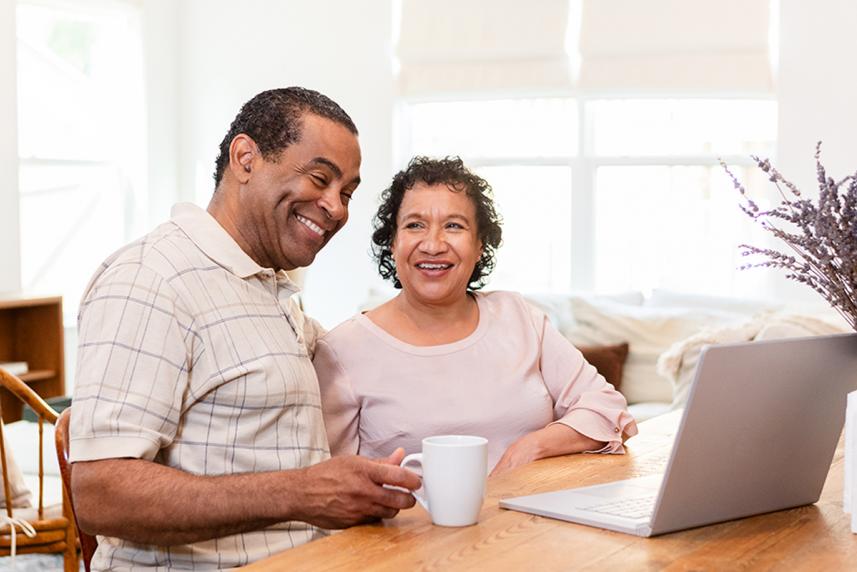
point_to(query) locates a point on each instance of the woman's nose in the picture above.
(434, 242)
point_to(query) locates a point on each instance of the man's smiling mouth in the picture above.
(311, 225)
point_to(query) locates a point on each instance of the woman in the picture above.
(443, 358)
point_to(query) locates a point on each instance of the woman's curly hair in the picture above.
(449, 171)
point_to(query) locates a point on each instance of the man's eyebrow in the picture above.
(337, 172)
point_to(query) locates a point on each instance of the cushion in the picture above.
(608, 360)
(667, 298)
(558, 307)
(52, 491)
(20, 493)
(648, 331)
(679, 363)
(23, 438)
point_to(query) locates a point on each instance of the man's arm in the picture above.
(148, 503)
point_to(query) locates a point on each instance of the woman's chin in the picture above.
(436, 294)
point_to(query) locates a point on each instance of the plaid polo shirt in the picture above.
(193, 356)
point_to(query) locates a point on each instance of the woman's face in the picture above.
(436, 246)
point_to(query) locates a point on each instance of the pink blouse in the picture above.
(513, 375)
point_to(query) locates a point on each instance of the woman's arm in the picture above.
(589, 414)
(555, 439)
(339, 406)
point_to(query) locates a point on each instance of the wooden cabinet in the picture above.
(31, 330)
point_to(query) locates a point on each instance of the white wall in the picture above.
(817, 94)
(231, 51)
(10, 268)
(161, 24)
(205, 58)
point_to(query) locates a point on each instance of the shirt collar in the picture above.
(204, 230)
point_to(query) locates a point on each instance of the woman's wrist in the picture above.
(560, 439)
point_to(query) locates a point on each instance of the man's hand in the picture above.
(345, 491)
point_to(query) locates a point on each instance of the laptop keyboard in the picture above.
(637, 507)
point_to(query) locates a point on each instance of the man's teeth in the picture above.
(311, 225)
(428, 266)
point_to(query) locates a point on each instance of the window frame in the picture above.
(585, 164)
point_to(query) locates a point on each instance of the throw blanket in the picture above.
(678, 363)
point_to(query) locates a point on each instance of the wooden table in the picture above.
(816, 537)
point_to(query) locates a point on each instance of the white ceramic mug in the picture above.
(454, 468)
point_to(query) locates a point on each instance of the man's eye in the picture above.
(319, 180)
(346, 198)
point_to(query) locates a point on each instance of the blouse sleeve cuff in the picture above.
(597, 427)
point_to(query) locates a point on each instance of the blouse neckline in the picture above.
(456, 346)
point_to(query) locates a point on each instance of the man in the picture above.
(196, 432)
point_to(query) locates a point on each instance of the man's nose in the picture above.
(332, 205)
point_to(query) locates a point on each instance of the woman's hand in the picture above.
(553, 440)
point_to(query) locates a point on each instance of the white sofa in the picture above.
(666, 332)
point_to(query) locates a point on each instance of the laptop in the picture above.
(757, 435)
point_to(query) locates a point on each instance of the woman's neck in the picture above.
(425, 324)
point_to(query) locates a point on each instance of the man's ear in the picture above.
(243, 157)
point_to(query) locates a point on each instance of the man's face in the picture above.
(291, 207)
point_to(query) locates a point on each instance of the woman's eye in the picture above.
(454, 225)
(413, 225)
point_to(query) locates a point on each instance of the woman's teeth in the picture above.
(427, 266)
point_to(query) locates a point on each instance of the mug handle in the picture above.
(416, 458)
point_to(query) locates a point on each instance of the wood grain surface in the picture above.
(816, 537)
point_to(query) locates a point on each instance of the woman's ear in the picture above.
(243, 156)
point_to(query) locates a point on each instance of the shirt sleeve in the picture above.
(583, 400)
(313, 331)
(339, 406)
(134, 348)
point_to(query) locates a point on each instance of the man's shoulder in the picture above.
(157, 258)
(167, 251)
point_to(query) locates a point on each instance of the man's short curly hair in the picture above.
(449, 171)
(273, 119)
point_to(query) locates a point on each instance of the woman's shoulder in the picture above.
(346, 333)
(509, 306)
(504, 299)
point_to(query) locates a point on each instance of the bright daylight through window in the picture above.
(80, 140)
(656, 208)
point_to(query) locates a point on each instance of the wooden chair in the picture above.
(51, 533)
(88, 543)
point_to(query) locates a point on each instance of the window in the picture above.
(608, 193)
(80, 140)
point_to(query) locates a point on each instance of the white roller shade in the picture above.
(459, 46)
(685, 45)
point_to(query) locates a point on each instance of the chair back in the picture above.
(39, 531)
(88, 543)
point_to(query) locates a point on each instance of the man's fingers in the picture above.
(396, 499)
(386, 512)
(395, 458)
(394, 475)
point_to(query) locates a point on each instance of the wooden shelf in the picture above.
(37, 375)
(31, 330)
